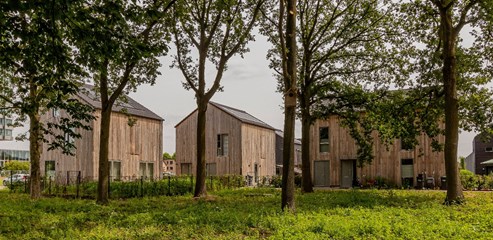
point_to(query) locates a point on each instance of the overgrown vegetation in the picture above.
(252, 213)
(471, 181)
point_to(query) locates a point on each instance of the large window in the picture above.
(186, 169)
(146, 170)
(222, 145)
(324, 139)
(210, 169)
(50, 169)
(115, 170)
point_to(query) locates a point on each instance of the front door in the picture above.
(255, 173)
(321, 173)
(347, 173)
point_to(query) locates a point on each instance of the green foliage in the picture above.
(471, 181)
(16, 165)
(252, 214)
(168, 156)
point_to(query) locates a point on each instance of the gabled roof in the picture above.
(132, 107)
(241, 115)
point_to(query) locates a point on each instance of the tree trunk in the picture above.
(104, 165)
(454, 188)
(307, 185)
(35, 145)
(200, 187)
(290, 84)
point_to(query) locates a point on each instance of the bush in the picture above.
(469, 180)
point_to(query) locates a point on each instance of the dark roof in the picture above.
(132, 107)
(241, 115)
(280, 133)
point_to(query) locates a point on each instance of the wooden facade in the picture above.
(337, 166)
(482, 151)
(250, 147)
(134, 151)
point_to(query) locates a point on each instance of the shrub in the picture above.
(469, 180)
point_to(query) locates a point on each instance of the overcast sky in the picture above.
(248, 85)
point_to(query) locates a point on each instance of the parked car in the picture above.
(16, 178)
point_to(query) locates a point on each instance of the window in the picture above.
(222, 145)
(210, 169)
(146, 170)
(324, 139)
(55, 112)
(186, 168)
(115, 170)
(50, 169)
(68, 137)
(488, 149)
(170, 168)
(8, 122)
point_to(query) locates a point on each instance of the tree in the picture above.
(342, 43)
(119, 42)
(213, 31)
(437, 24)
(38, 72)
(168, 156)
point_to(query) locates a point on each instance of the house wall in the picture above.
(387, 159)
(480, 153)
(217, 122)
(258, 147)
(130, 145)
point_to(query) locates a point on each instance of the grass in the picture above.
(252, 214)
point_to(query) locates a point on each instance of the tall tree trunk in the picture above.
(35, 142)
(104, 165)
(35, 145)
(307, 185)
(287, 196)
(454, 188)
(200, 187)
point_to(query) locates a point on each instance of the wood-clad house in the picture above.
(480, 161)
(279, 153)
(237, 143)
(334, 153)
(135, 144)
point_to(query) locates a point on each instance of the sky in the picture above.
(249, 85)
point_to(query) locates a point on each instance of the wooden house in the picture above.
(334, 153)
(279, 153)
(480, 161)
(135, 144)
(237, 143)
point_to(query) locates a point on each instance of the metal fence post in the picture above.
(78, 184)
(141, 186)
(169, 185)
(49, 186)
(109, 186)
(11, 180)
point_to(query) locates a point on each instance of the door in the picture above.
(321, 173)
(407, 172)
(347, 173)
(211, 169)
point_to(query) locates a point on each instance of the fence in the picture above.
(73, 184)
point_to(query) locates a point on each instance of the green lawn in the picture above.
(236, 214)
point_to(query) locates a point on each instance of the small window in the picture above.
(56, 112)
(186, 168)
(324, 139)
(50, 169)
(222, 145)
(146, 170)
(115, 170)
(488, 149)
(68, 138)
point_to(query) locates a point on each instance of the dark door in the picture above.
(255, 173)
(321, 173)
(347, 173)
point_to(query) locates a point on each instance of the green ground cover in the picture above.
(252, 213)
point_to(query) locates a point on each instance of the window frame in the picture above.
(222, 145)
(324, 141)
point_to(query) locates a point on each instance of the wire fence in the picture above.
(72, 184)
